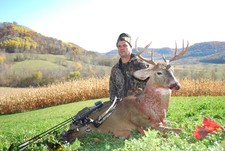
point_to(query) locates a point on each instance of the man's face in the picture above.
(124, 49)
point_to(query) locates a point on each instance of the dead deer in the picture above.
(145, 110)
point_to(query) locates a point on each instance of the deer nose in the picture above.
(175, 86)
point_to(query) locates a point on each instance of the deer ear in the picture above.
(142, 74)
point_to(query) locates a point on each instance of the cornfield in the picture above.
(21, 100)
(200, 87)
(51, 95)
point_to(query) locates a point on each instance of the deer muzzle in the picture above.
(175, 86)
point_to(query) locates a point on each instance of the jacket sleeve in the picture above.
(112, 88)
(136, 83)
(116, 84)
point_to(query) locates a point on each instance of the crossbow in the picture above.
(81, 119)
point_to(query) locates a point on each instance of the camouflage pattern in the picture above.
(122, 83)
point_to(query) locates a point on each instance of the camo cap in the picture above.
(124, 37)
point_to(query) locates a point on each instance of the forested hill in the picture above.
(204, 52)
(208, 52)
(18, 38)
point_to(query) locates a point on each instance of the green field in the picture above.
(40, 62)
(186, 112)
(36, 65)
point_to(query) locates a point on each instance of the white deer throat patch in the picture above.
(163, 91)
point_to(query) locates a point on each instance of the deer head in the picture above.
(160, 74)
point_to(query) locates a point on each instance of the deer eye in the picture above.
(159, 73)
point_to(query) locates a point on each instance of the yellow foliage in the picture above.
(2, 58)
(20, 29)
(90, 69)
(78, 66)
(17, 42)
(37, 75)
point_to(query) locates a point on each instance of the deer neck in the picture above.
(159, 93)
(154, 95)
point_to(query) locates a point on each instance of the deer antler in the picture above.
(176, 56)
(140, 52)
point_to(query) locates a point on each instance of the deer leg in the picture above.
(168, 123)
(166, 129)
(122, 133)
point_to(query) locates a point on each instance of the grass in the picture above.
(18, 127)
(51, 58)
(34, 65)
(186, 112)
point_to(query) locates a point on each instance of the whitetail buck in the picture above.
(145, 110)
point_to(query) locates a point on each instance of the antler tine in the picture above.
(176, 56)
(175, 51)
(140, 52)
(164, 58)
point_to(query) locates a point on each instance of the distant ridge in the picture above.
(204, 52)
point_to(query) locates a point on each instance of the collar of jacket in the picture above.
(132, 57)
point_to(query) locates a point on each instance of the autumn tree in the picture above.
(14, 43)
(78, 66)
(2, 59)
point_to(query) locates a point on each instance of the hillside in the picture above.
(27, 58)
(205, 52)
(16, 38)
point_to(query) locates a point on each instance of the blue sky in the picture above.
(96, 24)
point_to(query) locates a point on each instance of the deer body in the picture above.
(147, 109)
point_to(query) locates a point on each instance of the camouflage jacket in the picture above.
(122, 83)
